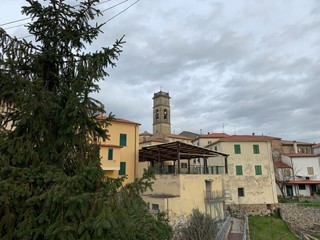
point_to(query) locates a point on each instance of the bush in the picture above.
(198, 226)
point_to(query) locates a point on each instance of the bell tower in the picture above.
(161, 113)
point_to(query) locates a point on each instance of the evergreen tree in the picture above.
(51, 182)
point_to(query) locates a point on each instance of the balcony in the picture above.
(194, 169)
(214, 196)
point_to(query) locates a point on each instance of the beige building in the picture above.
(250, 178)
(119, 154)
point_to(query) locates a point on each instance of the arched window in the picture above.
(165, 114)
(157, 115)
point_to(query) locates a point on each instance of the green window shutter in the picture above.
(110, 154)
(239, 170)
(256, 149)
(122, 170)
(237, 149)
(258, 170)
(123, 139)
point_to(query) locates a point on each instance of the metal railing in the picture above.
(224, 230)
(194, 169)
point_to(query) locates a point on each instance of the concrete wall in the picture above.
(179, 194)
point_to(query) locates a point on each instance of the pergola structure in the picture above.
(177, 151)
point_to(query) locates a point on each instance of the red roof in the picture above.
(305, 182)
(120, 120)
(281, 165)
(299, 154)
(248, 138)
(177, 136)
(316, 145)
(286, 142)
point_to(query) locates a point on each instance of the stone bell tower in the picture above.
(161, 113)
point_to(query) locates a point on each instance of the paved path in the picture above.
(236, 230)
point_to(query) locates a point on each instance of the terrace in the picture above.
(166, 158)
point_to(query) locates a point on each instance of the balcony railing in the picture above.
(194, 169)
(212, 196)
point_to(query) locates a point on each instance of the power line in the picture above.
(22, 19)
(15, 21)
(114, 5)
(121, 12)
(114, 16)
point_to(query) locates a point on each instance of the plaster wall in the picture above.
(127, 154)
(179, 194)
(258, 189)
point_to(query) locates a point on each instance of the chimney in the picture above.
(252, 134)
(295, 146)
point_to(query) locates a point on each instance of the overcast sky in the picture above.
(233, 66)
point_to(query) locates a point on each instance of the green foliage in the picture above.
(198, 226)
(269, 227)
(51, 182)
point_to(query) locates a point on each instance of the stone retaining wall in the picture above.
(305, 219)
(252, 209)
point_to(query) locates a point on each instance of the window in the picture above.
(123, 139)
(239, 170)
(155, 207)
(157, 114)
(216, 148)
(209, 142)
(237, 149)
(302, 187)
(184, 165)
(110, 154)
(310, 170)
(256, 149)
(286, 172)
(258, 170)
(241, 192)
(122, 170)
(165, 114)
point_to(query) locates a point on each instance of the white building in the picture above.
(306, 173)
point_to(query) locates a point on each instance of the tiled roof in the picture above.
(248, 138)
(281, 165)
(145, 133)
(213, 135)
(286, 142)
(316, 145)
(299, 154)
(304, 182)
(125, 121)
(170, 135)
(120, 120)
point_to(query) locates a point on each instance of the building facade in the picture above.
(305, 178)
(120, 153)
(250, 178)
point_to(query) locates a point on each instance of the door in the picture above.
(208, 189)
(289, 190)
(313, 189)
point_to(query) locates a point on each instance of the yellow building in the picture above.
(119, 154)
(182, 184)
(250, 178)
